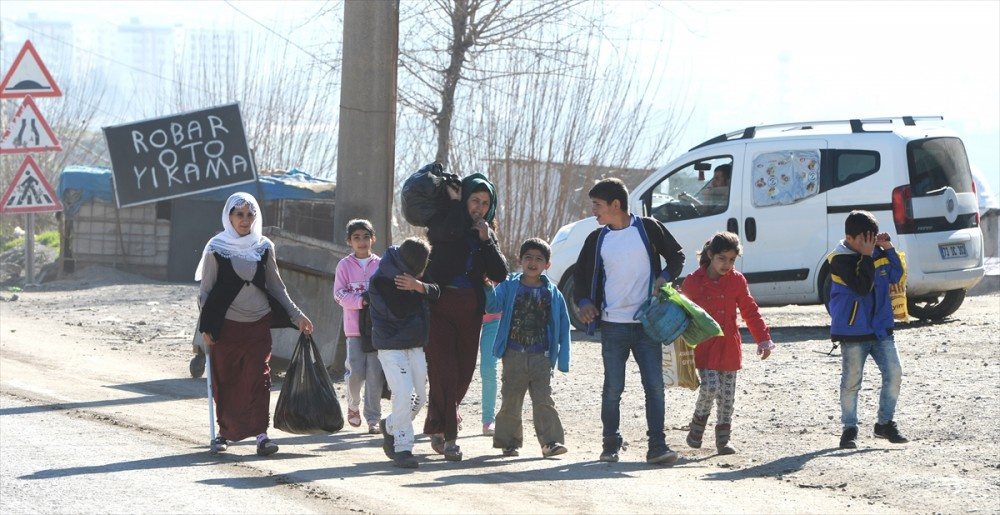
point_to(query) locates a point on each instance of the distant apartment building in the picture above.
(126, 65)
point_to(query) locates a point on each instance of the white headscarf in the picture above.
(229, 243)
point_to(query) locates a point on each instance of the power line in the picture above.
(290, 42)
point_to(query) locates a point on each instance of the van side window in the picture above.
(852, 165)
(784, 177)
(697, 189)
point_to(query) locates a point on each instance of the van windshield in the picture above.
(936, 163)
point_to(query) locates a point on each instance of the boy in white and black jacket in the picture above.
(618, 267)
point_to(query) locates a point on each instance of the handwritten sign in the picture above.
(178, 155)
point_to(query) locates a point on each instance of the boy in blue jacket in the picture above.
(862, 267)
(532, 340)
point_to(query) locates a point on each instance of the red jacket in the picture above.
(720, 299)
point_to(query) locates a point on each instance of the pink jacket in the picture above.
(350, 282)
(721, 300)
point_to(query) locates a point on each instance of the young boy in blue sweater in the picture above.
(532, 340)
(862, 267)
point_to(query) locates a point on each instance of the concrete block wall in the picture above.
(145, 239)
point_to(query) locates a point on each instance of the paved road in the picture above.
(65, 462)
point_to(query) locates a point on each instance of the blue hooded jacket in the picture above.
(501, 299)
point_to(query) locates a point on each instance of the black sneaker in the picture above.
(405, 459)
(510, 451)
(890, 432)
(388, 441)
(609, 453)
(661, 455)
(849, 438)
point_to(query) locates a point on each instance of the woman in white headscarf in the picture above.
(241, 298)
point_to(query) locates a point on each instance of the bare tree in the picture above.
(546, 137)
(444, 43)
(287, 104)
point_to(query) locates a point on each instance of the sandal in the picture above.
(220, 444)
(353, 417)
(266, 447)
(437, 443)
(452, 452)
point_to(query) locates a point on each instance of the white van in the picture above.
(791, 187)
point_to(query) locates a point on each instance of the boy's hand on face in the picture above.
(882, 240)
(866, 242)
(408, 282)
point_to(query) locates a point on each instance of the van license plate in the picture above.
(952, 251)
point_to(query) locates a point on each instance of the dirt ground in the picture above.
(786, 426)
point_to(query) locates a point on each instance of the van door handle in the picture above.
(750, 228)
(733, 226)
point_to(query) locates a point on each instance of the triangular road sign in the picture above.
(28, 76)
(28, 132)
(30, 192)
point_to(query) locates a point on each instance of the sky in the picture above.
(735, 64)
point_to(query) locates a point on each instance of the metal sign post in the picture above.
(29, 251)
(28, 132)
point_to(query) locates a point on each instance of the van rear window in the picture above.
(936, 163)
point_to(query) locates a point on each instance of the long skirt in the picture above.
(452, 349)
(241, 378)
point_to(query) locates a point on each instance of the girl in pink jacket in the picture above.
(349, 286)
(720, 290)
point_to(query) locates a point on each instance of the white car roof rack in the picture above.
(856, 124)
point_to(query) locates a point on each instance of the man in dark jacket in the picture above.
(616, 272)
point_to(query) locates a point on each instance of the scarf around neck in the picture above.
(229, 243)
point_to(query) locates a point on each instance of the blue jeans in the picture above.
(617, 340)
(853, 357)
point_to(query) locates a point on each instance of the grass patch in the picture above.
(47, 238)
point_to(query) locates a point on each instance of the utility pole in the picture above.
(367, 140)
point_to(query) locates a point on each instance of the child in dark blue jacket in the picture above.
(862, 267)
(400, 324)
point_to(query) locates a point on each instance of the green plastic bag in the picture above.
(702, 325)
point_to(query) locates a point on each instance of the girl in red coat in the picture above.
(720, 290)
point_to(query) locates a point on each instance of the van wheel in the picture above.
(935, 307)
(567, 290)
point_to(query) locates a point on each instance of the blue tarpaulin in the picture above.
(93, 183)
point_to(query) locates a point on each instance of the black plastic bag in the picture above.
(365, 325)
(307, 403)
(424, 193)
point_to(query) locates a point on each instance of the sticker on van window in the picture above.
(785, 177)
